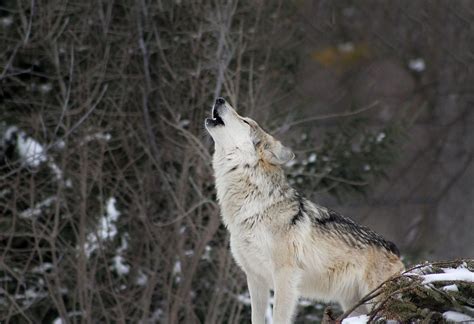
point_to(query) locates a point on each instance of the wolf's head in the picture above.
(235, 134)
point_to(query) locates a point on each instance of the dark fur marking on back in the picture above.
(301, 210)
(357, 234)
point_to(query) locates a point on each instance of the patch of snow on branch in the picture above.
(142, 278)
(42, 268)
(362, 319)
(6, 21)
(37, 209)
(380, 137)
(58, 173)
(120, 266)
(98, 136)
(119, 262)
(107, 229)
(312, 158)
(31, 152)
(417, 65)
(177, 271)
(450, 288)
(244, 298)
(457, 317)
(458, 274)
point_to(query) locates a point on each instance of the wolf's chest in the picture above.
(253, 251)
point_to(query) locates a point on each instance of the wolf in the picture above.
(281, 240)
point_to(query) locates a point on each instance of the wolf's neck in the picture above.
(245, 188)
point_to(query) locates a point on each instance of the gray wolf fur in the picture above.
(281, 240)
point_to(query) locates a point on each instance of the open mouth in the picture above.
(216, 119)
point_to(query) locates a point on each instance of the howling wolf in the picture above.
(281, 240)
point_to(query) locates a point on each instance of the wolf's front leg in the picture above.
(286, 295)
(259, 292)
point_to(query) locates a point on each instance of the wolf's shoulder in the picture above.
(330, 222)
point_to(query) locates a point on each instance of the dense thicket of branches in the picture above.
(107, 192)
(107, 206)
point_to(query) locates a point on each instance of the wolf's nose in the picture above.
(220, 101)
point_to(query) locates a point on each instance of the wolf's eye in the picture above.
(245, 122)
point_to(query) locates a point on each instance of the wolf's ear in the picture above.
(277, 153)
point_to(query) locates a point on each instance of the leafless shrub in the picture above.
(107, 195)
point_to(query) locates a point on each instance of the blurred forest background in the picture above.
(107, 205)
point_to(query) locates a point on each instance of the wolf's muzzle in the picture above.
(219, 102)
(216, 119)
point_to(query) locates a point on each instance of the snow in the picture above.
(37, 209)
(31, 152)
(30, 296)
(450, 288)
(7, 136)
(42, 268)
(312, 158)
(380, 137)
(362, 319)
(58, 321)
(177, 267)
(184, 123)
(45, 87)
(119, 264)
(177, 271)
(141, 279)
(6, 21)
(107, 229)
(58, 173)
(98, 136)
(458, 274)
(456, 317)
(417, 64)
(244, 298)
(207, 253)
